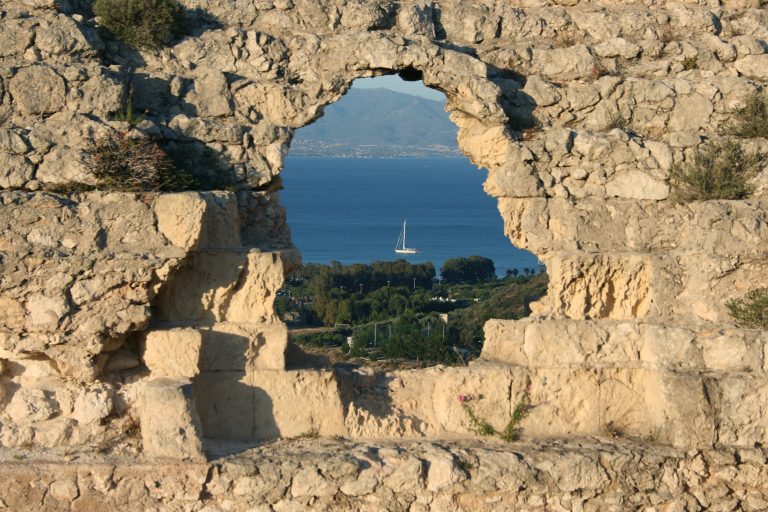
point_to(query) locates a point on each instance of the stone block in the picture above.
(29, 406)
(170, 426)
(493, 390)
(38, 90)
(226, 404)
(180, 218)
(292, 403)
(173, 353)
(744, 410)
(229, 286)
(93, 405)
(238, 346)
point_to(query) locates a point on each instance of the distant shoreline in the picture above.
(372, 157)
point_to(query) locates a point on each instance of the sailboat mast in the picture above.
(406, 220)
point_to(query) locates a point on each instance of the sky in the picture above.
(395, 83)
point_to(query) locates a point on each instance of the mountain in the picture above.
(379, 122)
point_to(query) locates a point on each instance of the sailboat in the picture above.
(401, 248)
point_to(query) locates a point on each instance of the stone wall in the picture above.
(466, 476)
(122, 308)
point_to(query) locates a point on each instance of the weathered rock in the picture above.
(173, 353)
(30, 406)
(170, 426)
(93, 405)
(37, 90)
(633, 339)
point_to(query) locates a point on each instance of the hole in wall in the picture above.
(382, 170)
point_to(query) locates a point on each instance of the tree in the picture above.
(468, 270)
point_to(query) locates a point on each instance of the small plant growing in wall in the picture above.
(718, 171)
(522, 409)
(128, 164)
(751, 310)
(482, 427)
(477, 424)
(691, 63)
(149, 24)
(751, 120)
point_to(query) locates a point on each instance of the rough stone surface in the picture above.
(173, 353)
(316, 474)
(170, 427)
(577, 109)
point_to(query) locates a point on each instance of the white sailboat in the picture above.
(401, 248)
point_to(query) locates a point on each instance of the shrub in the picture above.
(130, 164)
(617, 120)
(691, 63)
(752, 309)
(142, 23)
(751, 120)
(718, 171)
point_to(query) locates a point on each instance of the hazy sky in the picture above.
(396, 83)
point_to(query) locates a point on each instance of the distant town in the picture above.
(339, 150)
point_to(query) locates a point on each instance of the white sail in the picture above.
(402, 248)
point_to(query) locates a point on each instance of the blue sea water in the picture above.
(352, 210)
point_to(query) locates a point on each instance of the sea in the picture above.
(352, 210)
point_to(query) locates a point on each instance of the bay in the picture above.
(352, 209)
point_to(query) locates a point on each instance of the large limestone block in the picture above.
(292, 403)
(565, 403)
(634, 402)
(180, 218)
(223, 287)
(566, 63)
(240, 347)
(170, 426)
(495, 391)
(733, 350)
(564, 343)
(255, 294)
(174, 353)
(600, 286)
(267, 404)
(503, 341)
(394, 404)
(199, 220)
(199, 292)
(226, 404)
(743, 419)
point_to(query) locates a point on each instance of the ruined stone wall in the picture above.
(328, 475)
(117, 307)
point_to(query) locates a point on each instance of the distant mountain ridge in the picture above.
(379, 122)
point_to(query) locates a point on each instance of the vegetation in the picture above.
(752, 309)
(147, 24)
(130, 164)
(751, 121)
(510, 299)
(617, 120)
(474, 269)
(482, 427)
(719, 171)
(691, 63)
(522, 409)
(403, 321)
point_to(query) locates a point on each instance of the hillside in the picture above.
(379, 122)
